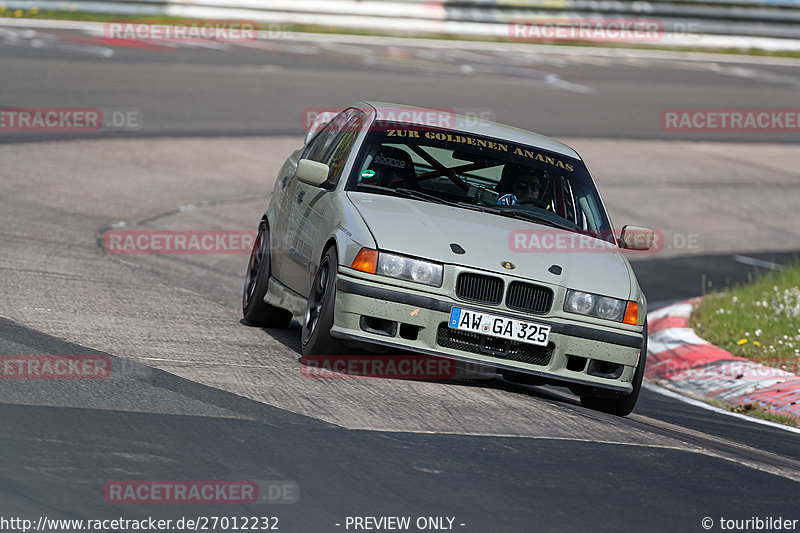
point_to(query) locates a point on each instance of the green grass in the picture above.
(759, 321)
(76, 15)
(68, 14)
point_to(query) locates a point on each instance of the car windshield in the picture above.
(478, 172)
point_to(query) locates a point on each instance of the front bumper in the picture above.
(577, 354)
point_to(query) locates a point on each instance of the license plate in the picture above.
(498, 326)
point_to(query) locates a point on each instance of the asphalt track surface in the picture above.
(201, 396)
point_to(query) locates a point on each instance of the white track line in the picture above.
(697, 403)
(752, 261)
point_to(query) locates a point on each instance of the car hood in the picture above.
(426, 230)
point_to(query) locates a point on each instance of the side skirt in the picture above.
(282, 296)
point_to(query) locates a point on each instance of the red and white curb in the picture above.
(680, 360)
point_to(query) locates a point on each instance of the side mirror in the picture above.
(312, 172)
(636, 238)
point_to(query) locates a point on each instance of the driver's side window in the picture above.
(319, 145)
(343, 145)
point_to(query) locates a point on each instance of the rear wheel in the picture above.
(255, 310)
(621, 405)
(318, 318)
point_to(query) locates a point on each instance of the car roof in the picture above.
(470, 125)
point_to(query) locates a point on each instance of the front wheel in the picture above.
(621, 405)
(255, 310)
(318, 318)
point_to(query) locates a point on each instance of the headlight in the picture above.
(399, 266)
(407, 268)
(584, 303)
(581, 303)
(610, 308)
(426, 273)
(392, 265)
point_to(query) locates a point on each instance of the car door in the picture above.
(279, 227)
(305, 222)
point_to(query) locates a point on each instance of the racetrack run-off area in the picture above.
(681, 360)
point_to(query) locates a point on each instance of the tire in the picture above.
(621, 405)
(255, 310)
(318, 318)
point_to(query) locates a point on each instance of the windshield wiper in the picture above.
(531, 217)
(408, 193)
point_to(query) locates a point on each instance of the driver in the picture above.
(522, 185)
(527, 187)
